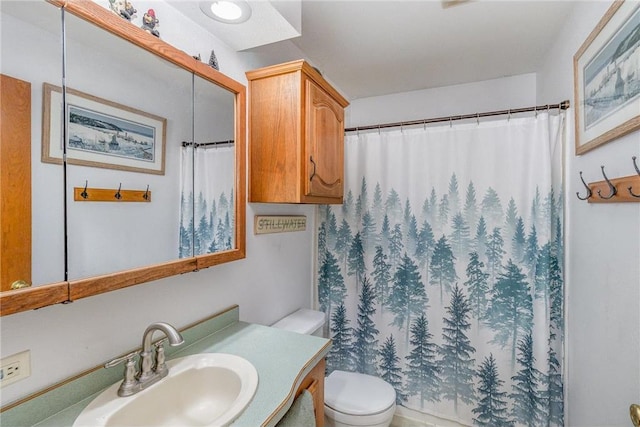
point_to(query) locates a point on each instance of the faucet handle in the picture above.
(127, 387)
(119, 360)
(160, 365)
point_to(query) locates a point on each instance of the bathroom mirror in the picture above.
(213, 169)
(128, 112)
(30, 53)
(133, 76)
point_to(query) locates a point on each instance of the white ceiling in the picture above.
(368, 48)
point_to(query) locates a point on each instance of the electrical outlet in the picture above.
(15, 368)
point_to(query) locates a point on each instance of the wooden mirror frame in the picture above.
(41, 296)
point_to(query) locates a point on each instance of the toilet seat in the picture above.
(358, 399)
(379, 419)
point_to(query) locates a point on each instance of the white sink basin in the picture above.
(209, 389)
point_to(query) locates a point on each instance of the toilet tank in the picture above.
(303, 321)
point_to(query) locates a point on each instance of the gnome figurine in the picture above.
(124, 8)
(149, 23)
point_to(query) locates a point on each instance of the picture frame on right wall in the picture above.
(607, 78)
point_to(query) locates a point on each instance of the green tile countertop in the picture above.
(282, 359)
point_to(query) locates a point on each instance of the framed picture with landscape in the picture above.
(101, 133)
(607, 78)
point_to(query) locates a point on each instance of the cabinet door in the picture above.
(15, 182)
(324, 146)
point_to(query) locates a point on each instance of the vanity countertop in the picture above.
(282, 359)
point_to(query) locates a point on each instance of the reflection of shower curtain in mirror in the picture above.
(207, 214)
(442, 272)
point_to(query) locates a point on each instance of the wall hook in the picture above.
(146, 193)
(118, 195)
(612, 188)
(635, 165)
(84, 193)
(589, 192)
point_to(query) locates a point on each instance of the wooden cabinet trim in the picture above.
(12, 302)
(314, 384)
(299, 65)
(15, 181)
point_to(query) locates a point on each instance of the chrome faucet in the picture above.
(151, 370)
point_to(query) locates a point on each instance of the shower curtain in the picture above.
(442, 272)
(206, 200)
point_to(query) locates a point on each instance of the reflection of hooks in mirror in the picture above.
(84, 193)
(586, 186)
(118, 195)
(630, 188)
(613, 190)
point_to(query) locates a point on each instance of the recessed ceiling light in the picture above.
(227, 11)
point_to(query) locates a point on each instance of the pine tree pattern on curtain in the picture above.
(451, 288)
(207, 220)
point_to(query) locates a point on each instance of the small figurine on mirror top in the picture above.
(124, 8)
(149, 23)
(213, 61)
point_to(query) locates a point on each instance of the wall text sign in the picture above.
(265, 224)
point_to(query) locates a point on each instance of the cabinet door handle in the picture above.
(314, 168)
(634, 411)
(20, 284)
(325, 183)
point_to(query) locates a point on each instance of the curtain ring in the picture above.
(424, 124)
(450, 122)
(478, 119)
(509, 116)
(378, 129)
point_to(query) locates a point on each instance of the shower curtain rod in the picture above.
(562, 106)
(207, 144)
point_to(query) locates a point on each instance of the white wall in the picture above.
(272, 281)
(603, 258)
(498, 94)
(603, 241)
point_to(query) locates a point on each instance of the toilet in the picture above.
(350, 398)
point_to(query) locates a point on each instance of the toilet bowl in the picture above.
(354, 399)
(351, 398)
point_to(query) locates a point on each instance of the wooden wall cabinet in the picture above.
(296, 136)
